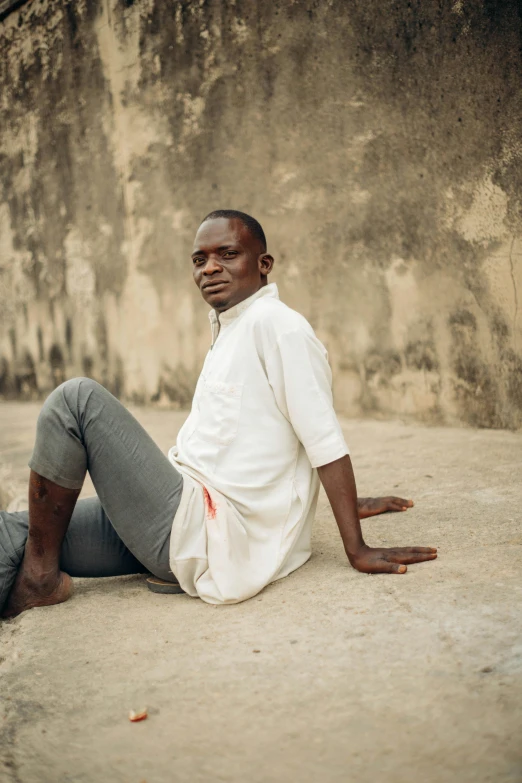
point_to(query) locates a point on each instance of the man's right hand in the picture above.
(339, 484)
(371, 560)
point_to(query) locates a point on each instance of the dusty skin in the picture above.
(39, 581)
(358, 677)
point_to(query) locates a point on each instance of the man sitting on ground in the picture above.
(231, 508)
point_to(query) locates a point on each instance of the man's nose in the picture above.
(212, 265)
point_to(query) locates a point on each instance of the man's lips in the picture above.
(215, 285)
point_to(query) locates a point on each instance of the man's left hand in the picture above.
(370, 507)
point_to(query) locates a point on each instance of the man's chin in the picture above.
(218, 300)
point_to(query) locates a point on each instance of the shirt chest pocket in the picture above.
(219, 406)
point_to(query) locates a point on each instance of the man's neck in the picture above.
(262, 284)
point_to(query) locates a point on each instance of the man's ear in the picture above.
(266, 264)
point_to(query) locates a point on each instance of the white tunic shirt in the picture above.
(262, 420)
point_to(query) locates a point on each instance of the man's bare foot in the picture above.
(28, 592)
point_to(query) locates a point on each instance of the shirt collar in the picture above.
(234, 312)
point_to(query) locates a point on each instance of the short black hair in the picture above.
(248, 221)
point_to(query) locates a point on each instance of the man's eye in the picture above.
(197, 261)
(229, 254)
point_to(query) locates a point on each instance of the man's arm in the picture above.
(339, 483)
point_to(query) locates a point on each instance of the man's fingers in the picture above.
(391, 561)
(384, 566)
(411, 557)
(401, 502)
(398, 504)
(393, 505)
(418, 549)
(391, 568)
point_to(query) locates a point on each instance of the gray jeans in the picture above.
(126, 528)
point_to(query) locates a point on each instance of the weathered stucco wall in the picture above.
(378, 143)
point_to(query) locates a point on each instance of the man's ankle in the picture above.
(40, 568)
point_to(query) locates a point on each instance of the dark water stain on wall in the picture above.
(378, 143)
(73, 182)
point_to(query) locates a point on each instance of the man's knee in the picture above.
(71, 392)
(79, 385)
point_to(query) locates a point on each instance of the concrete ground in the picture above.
(327, 676)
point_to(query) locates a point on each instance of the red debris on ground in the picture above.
(209, 504)
(134, 717)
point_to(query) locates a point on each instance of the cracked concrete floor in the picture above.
(328, 675)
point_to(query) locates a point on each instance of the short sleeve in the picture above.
(301, 379)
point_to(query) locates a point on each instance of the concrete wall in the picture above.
(378, 143)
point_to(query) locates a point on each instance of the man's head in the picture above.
(230, 262)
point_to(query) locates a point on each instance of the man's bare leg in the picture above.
(39, 581)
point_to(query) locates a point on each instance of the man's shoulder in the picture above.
(277, 317)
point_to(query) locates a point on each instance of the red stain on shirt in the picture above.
(209, 504)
